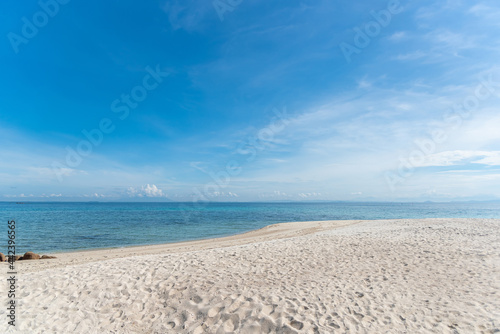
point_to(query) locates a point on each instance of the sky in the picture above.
(239, 100)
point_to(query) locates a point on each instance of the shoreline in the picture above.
(236, 236)
(267, 233)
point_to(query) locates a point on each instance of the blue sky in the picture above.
(250, 100)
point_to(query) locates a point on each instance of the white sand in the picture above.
(390, 276)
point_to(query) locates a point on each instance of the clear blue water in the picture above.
(56, 227)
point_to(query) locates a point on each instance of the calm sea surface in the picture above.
(56, 227)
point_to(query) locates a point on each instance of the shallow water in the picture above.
(54, 227)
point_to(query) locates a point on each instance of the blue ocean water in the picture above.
(55, 227)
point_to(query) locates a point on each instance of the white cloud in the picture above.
(491, 160)
(480, 131)
(452, 40)
(220, 195)
(188, 15)
(398, 36)
(486, 13)
(458, 157)
(23, 195)
(410, 56)
(51, 195)
(146, 191)
(309, 195)
(363, 83)
(95, 195)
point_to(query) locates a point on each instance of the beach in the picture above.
(381, 276)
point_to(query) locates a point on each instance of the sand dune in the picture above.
(390, 276)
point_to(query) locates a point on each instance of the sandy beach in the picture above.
(384, 276)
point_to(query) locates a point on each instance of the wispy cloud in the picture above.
(346, 124)
(398, 36)
(453, 158)
(188, 15)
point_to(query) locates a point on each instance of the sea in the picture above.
(52, 227)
